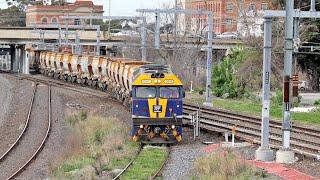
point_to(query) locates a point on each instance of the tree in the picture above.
(12, 16)
(226, 77)
(22, 4)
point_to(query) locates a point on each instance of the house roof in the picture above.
(68, 7)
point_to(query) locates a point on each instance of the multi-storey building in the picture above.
(45, 14)
(229, 15)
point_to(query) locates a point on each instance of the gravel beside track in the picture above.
(32, 138)
(5, 97)
(14, 113)
(181, 159)
(65, 102)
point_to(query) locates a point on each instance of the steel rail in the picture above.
(162, 166)
(249, 131)
(129, 164)
(43, 140)
(257, 120)
(25, 125)
(303, 137)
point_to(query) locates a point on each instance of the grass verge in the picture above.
(95, 145)
(254, 108)
(225, 165)
(148, 162)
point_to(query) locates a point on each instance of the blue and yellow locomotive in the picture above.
(157, 100)
(156, 93)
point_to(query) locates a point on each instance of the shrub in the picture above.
(317, 102)
(224, 165)
(224, 78)
(77, 117)
(95, 142)
(277, 99)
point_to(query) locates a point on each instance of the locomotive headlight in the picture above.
(173, 126)
(141, 126)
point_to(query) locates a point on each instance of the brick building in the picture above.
(45, 14)
(229, 15)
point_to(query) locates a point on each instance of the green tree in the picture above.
(22, 4)
(224, 77)
(12, 16)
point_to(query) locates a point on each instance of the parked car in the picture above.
(228, 35)
(302, 85)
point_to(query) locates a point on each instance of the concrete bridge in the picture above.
(23, 42)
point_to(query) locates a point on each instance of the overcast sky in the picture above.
(120, 7)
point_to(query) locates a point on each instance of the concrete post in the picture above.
(143, 40)
(60, 35)
(17, 61)
(209, 60)
(13, 58)
(285, 155)
(22, 60)
(313, 5)
(77, 42)
(98, 41)
(26, 61)
(157, 32)
(264, 153)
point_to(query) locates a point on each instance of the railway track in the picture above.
(154, 176)
(31, 139)
(304, 140)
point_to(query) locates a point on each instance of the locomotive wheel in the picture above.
(56, 76)
(78, 81)
(50, 74)
(69, 78)
(104, 87)
(73, 79)
(95, 84)
(89, 82)
(65, 77)
(62, 76)
(83, 81)
(99, 85)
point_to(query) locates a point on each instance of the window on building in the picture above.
(44, 20)
(229, 7)
(252, 7)
(54, 20)
(264, 6)
(77, 22)
(229, 22)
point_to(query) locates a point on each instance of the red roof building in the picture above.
(45, 14)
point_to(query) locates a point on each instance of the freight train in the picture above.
(153, 93)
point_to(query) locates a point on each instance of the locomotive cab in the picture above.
(157, 106)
